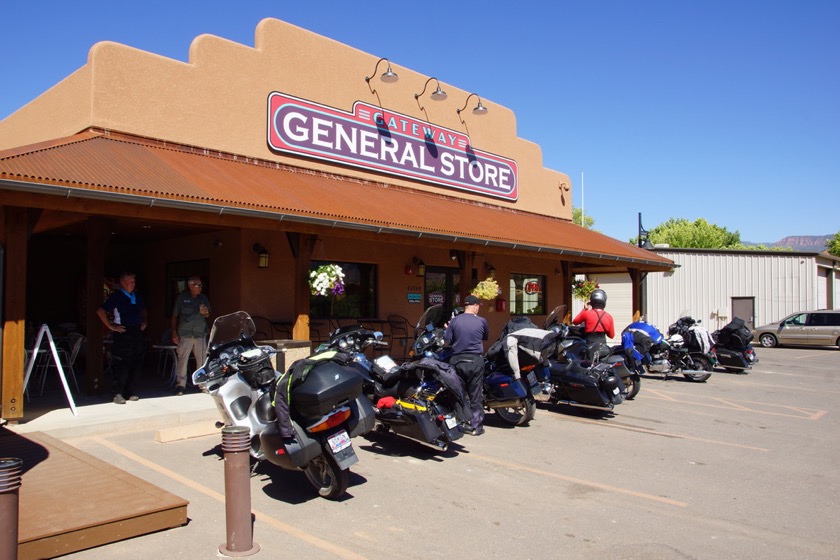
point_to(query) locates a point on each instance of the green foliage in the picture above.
(579, 219)
(833, 245)
(700, 234)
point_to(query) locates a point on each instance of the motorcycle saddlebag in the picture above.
(293, 455)
(413, 423)
(327, 386)
(575, 384)
(503, 387)
(731, 358)
(363, 418)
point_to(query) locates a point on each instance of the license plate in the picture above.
(616, 391)
(532, 378)
(451, 422)
(339, 441)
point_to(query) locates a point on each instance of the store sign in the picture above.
(373, 138)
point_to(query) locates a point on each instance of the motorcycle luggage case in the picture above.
(503, 387)
(577, 386)
(326, 387)
(363, 418)
(731, 358)
(416, 424)
(295, 454)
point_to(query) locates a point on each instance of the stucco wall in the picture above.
(218, 100)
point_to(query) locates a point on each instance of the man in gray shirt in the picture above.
(466, 334)
(189, 329)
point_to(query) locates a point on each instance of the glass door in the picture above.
(442, 286)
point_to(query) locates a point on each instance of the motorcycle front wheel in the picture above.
(328, 479)
(518, 415)
(700, 362)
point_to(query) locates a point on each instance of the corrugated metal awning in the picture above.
(127, 169)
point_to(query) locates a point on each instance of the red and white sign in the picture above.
(373, 138)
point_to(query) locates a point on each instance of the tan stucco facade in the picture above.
(218, 100)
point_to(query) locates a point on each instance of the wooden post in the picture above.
(97, 242)
(302, 247)
(16, 227)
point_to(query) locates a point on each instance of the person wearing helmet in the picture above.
(597, 323)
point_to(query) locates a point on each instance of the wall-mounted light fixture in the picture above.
(490, 270)
(437, 95)
(389, 76)
(453, 255)
(262, 253)
(479, 109)
(419, 265)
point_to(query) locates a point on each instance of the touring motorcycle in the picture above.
(422, 401)
(510, 397)
(327, 408)
(732, 347)
(648, 351)
(573, 347)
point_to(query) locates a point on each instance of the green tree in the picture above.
(833, 245)
(699, 234)
(581, 220)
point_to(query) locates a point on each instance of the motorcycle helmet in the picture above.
(676, 341)
(598, 299)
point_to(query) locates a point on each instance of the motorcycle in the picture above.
(650, 352)
(327, 408)
(417, 400)
(694, 337)
(732, 347)
(511, 398)
(576, 348)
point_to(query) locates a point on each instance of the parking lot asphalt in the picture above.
(739, 467)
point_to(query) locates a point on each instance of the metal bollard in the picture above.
(240, 538)
(10, 477)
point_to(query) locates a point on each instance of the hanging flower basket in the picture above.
(581, 289)
(486, 289)
(327, 280)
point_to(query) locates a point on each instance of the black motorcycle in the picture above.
(511, 398)
(732, 347)
(327, 408)
(421, 400)
(575, 348)
(686, 332)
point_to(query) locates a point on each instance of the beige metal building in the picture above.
(757, 286)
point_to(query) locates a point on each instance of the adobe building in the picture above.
(252, 165)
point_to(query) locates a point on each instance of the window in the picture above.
(527, 294)
(358, 300)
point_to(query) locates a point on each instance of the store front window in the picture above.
(358, 299)
(527, 294)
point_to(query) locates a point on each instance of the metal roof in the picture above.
(123, 168)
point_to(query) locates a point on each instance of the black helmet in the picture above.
(598, 299)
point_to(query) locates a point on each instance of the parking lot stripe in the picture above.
(259, 516)
(590, 483)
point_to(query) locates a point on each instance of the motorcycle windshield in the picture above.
(434, 317)
(229, 328)
(555, 317)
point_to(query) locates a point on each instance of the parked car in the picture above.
(812, 328)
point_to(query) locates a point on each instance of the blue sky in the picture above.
(722, 110)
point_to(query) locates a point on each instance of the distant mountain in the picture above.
(815, 243)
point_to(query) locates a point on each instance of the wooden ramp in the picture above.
(70, 500)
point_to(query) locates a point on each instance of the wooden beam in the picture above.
(16, 227)
(303, 256)
(97, 241)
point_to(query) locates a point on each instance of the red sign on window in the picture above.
(532, 288)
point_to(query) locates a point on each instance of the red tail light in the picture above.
(331, 420)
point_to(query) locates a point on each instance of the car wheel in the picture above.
(768, 340)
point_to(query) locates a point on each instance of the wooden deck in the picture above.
(70, 500)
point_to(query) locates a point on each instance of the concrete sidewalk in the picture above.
(173, 417)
